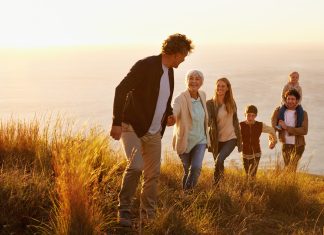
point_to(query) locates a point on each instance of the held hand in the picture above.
(282, 124)
(115, 132)
(171, 120)
(272, 145)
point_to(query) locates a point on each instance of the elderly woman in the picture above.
(224, 127)
(190, 135)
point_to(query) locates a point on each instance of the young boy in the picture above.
(293, 84)
(251, 131)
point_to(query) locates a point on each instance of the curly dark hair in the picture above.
(177, 43)
(292, 92)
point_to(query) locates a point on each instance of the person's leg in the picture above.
(286, 153)
(132, 174)
(186, 161)
(296, 154)
(197, 156)
(151, 152)
(254, 166)
(247, 166)
(225, 149)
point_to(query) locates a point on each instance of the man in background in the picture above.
(291, 133)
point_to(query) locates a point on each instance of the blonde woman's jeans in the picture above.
(224, 150)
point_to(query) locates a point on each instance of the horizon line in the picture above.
(143, 44)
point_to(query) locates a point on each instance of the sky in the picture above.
(51, 23)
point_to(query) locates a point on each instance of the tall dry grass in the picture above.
(278, 202)
(54, 180)
(58, 180)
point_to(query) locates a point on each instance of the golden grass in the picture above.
(57, 181)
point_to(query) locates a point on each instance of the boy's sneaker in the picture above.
(124, 218)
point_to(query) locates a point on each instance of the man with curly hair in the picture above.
(291, 130)
(142, 109)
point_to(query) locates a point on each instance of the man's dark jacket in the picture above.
(137, 94)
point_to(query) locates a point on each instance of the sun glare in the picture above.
(45, 23)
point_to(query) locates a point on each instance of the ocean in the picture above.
(80, 82)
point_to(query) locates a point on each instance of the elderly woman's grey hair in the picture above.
(194, 72)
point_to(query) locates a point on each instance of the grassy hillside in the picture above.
(57, 181)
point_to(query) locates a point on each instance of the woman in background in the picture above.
(190, 136)
(224, 128)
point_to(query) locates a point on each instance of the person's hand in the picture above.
(282, 124)
(171, 120)
(115, 132)
(272, 145)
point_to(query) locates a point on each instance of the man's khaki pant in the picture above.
(143, 154)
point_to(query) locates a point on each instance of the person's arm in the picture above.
(209, 111)
(115, 132)
(125, 86)
(301, 94)
(176, 112)
(171, 119)
(274, 118)
(236, 122)
(299, 130)
(283, 100)
(237, 126)
(177, 107)
(169, 109)
(272, 134)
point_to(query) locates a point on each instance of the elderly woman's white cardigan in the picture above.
(182, 110)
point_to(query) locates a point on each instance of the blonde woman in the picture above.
(190, 136)
(224, 128)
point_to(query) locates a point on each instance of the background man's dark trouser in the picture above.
(291, 155)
